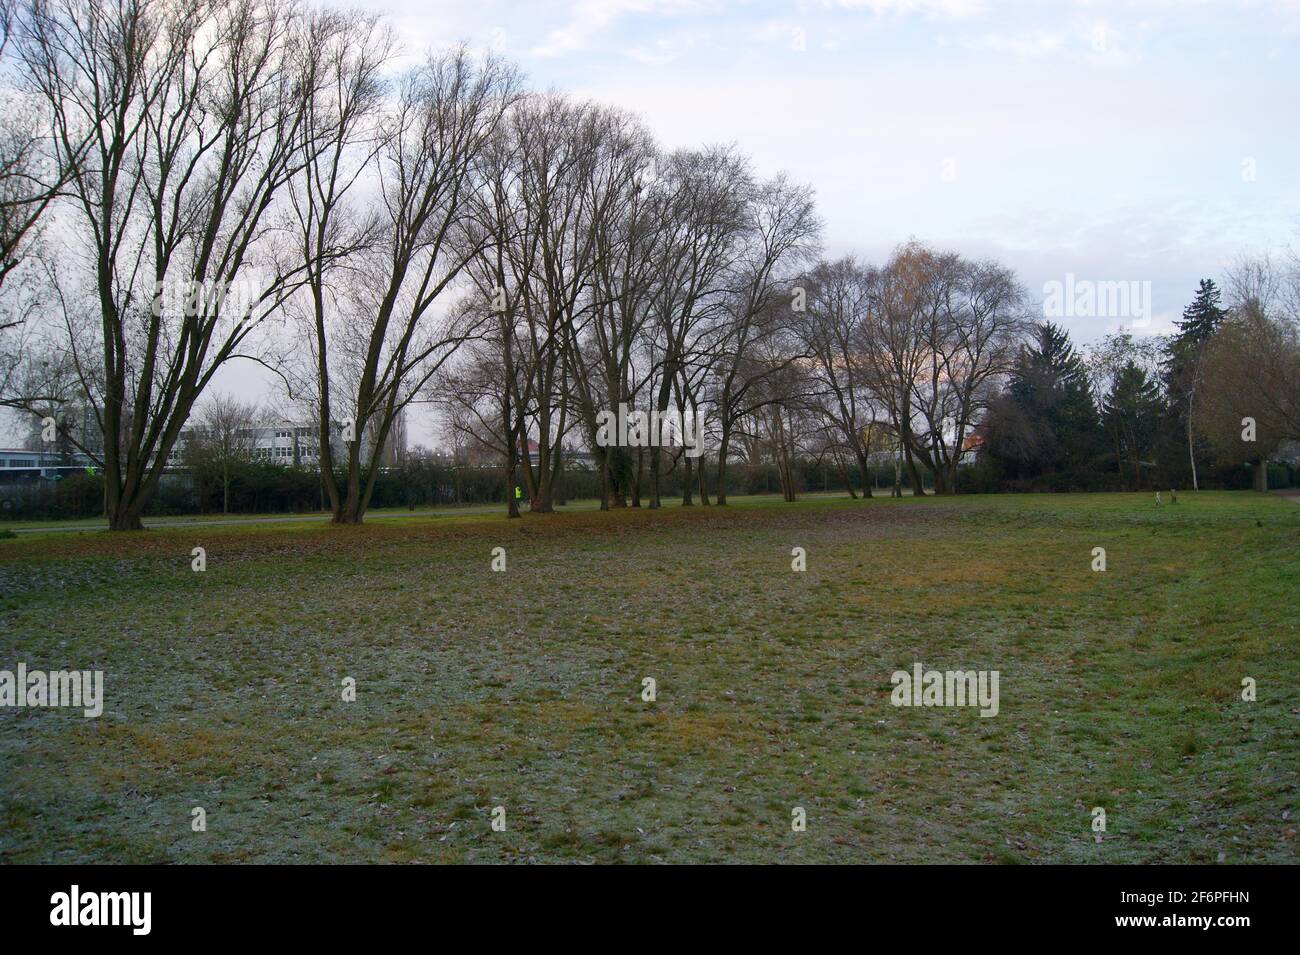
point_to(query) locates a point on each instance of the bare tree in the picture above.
(943, 331)
(702, 200)
(31, 173)
(474, 395)
(226, 434)
(832, 329)
(558, 177)
(784, 416)
(782, 233)
(481, 393)
(179, 121)
(379, 340)
(601, 347)
(1250, 369)
(330, 227)
(31, 176)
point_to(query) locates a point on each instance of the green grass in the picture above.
(442, 512)
(477, 689)
(181, 520)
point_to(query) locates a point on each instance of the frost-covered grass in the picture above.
(522, 689)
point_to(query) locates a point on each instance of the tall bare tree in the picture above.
(379, 341)
(943, 331)
(602, 343)
(180, 123)
(782, 233)
(1250, 376)
(832, 330)
(558, 178)
(703, 209)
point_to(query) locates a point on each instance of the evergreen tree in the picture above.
(1202, 317)
(1132, 415)
(1181, 367)
(1046, 425)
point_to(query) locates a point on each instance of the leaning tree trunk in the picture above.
(844, 473)
(349, 509)
(863, 471)
(913, 474)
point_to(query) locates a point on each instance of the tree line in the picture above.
(191, 182)
(1192, 409)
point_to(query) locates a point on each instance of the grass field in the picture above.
(522, 689)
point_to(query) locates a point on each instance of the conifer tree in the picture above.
(1182, 364)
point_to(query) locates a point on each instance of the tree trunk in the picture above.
(636, 479)
(848, 480)
(864, 471)
(950, 479)
(348, 510)
(654, 474)
(913, 473)
(512, 503)
(126, 519)
(722, 466)
(125, 504)
(1119, 459)
(786, 470)
(787, 477)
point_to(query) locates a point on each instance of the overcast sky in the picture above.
(1118, 141)
(1146, 142)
